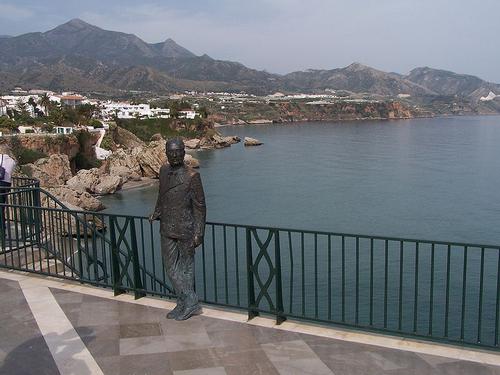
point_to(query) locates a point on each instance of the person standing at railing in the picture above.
(7, 165)
(181, 209)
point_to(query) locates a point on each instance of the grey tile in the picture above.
(305, 366)
(193, 359)
(152, 364)
(236, 339)
(246, 361)
(288, 350)
(63, 297)
(143, 345)
(203, 371)
(188, 341)
(266, 335)
(98, 313)
(466, 368)
(140, 330)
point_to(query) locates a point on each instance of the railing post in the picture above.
(252, 309)
(280, 316)
(115, 259)
(138, 287)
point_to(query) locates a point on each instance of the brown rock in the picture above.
(192, 143)
(151, 158)
(156, 137)
(85, 180)
(52, 171)
(108, 185)
(82, 200)
(252, 142)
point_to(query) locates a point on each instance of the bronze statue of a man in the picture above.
(181, 210)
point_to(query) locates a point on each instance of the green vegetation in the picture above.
(24, 155)
(168, 128)
(85, 159)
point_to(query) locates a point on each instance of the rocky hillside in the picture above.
(84, 57)
(356, 78)
(443, 82)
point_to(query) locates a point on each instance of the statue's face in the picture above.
(175, 155)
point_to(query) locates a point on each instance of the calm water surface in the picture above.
(433, 179)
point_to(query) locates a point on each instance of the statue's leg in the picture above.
(186, 268)
(170, 252)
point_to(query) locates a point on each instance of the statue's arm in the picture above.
(157, 211)
(199, 208)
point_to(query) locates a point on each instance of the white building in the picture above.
(189, 114)
(64, 129)
(3, 108)
(128, 111)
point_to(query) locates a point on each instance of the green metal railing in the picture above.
(443, 291)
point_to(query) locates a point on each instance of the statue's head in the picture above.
(175, 152)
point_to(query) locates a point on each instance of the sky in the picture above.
(281, 36)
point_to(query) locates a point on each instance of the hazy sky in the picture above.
(281, 36)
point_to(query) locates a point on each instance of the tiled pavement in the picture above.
(127, 338)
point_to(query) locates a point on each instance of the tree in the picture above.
(45, 103)
(7, 123)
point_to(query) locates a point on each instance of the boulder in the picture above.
(156, 137)
(252, 142)
(191, 161)
(108, 185)
(125, 174)
(232, 139)
(192, 143)
(82, 200)
(52, 171)
(151, 158)
(214, 141)
(85, 180)
(121, 158)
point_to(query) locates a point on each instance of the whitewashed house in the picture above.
(188, 114)
(3, 108)
(64, 129)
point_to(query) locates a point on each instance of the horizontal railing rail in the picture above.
(437, 290)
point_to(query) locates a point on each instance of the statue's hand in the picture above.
(198, 240)
(152, 217)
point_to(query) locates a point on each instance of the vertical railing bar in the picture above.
(144, 280)
(356, 318)
(447, 303)
(153, 261)
(329, 277)
(343, 278)
(316, 275)
(481, 292)
(236, 250)
(464, 286)
(94, 248)
(431, 292)
(225, 265)
(214, 263)
(497, 310)
(386, 279)
(71, 245)
(401, 263)
(415, 304)
(303, 274)
(371, 281)
(290, 249)
(204, 270)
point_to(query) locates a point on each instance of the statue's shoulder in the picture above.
(164, 169)
(191, 172)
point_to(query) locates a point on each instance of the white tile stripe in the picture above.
(385, 341)
(70, 353)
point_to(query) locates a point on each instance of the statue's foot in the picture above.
(189, 312)
(178, 310)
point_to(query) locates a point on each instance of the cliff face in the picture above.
(48, 144)
(300, 111)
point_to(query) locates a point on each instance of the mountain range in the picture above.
(83, 57)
